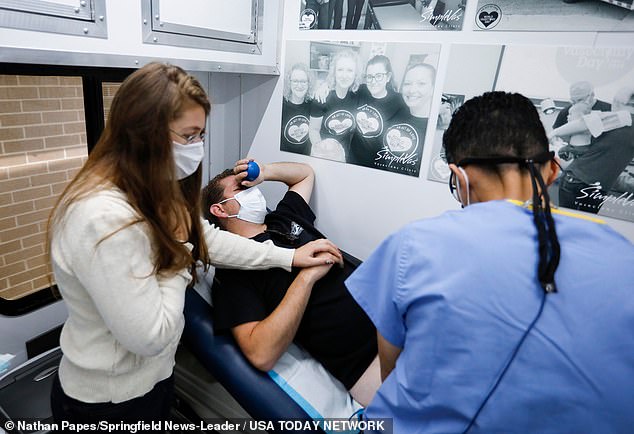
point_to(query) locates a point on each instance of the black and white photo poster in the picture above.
(555, 15)
(585, 97)
(381, 15)
(361, 103)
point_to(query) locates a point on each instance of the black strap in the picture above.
(494, 160)
(548, 243)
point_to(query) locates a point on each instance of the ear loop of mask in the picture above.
(227, 199)
(466, 177)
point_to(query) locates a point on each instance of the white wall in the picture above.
(358, 207)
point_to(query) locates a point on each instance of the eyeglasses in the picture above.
(304, 82)
(369, 78)
(191, 139)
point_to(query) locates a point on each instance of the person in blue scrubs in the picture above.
(506, 316)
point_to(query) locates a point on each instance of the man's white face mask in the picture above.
(252, 205)
(187, 158)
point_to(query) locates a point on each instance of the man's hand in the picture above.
(240, 169)
(318, 252)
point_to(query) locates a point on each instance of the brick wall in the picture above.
(42, 146)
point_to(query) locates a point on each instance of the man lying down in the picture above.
(266, 310)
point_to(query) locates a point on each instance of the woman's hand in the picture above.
(309, 254)
(321, 93)
(240, 169)
(313, 274)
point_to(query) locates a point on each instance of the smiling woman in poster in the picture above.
(296, 110)
(405, 134)
(417, 88)
(332, 122)
(378, 104)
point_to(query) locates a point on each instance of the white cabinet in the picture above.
(199, 35)
(215, 24)
(73, 17)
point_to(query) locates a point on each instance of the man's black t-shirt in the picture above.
(334, 329)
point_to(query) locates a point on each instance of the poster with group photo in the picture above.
(361, 103)
(555, 15)
(381, 15)
(585, 98)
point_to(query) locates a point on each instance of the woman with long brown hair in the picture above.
(124, 238)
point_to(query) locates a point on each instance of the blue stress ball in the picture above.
(253, 171)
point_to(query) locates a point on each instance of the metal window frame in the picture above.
(87, 19)
(157, 31)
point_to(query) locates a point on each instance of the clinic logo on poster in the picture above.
(400, 149)
(307, 19)
(449, 19)
(339, 123)
(488, 16)
(296, 130)
(369, 121)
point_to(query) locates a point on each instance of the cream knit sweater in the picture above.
(124, 321)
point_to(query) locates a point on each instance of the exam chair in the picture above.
(254, 390)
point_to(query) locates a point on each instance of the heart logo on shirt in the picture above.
(488, 19)
(367, 124)
(339, 126)
(397, 142)
(298, 132)
(307, 19)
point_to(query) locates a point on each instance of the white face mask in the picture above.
(187, 158)
(252, 205)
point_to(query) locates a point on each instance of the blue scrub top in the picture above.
(458, 291)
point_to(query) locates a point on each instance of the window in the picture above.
(48, 123)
